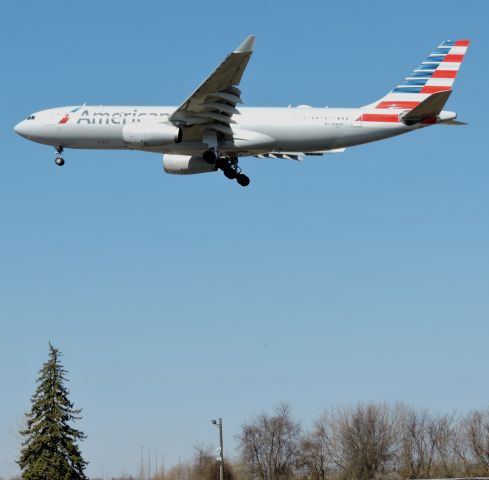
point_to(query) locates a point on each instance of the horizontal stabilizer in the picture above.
(429, 108)
(453, 122)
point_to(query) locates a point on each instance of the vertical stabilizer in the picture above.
(435, 74)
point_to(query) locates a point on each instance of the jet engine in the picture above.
(186, 164)
(150, 134)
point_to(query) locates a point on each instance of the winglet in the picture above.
(247, 45)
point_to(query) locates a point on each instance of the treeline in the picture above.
(365, 442)
(372, 441)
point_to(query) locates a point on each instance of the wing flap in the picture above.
(230, 110)
(299, 156)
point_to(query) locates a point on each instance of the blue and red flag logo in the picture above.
(66, 117)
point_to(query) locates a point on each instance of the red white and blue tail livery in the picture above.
(208, 132)
(435, 74)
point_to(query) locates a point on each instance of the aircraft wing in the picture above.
(212, 105)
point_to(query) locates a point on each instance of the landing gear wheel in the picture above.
(210, 157)
(230, 173)
(222, 163)
(231, 170)
(242, 179)
(59, 161)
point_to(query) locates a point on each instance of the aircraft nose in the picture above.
(21, 129)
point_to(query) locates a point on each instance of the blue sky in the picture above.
(356, 277)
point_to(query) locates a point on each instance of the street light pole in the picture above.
(149, 464)
(142, 465)
(218, 424)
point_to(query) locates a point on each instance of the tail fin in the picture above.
(435, 74)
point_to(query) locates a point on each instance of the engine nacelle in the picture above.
(186, 164)
(150, 134)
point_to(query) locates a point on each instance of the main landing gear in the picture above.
(229, 167)
(59, 160)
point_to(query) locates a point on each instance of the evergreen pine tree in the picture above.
(50, 450)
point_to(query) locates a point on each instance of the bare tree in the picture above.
(367, 438)
(269, 444)
(179, 471)
(418, 443)
(476, 432)
(319, 449)
(445, 426)
(205, 465)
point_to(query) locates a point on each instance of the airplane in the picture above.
(208, 132)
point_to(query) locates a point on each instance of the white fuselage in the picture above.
(256, 130)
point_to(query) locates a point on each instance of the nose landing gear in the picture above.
(59, 160)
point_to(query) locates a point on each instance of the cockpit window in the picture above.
(31, 117)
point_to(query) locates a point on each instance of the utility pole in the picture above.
(141, 476)
(218, 424)
(149, 464)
